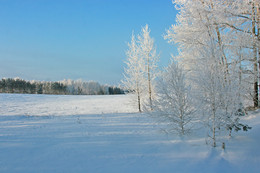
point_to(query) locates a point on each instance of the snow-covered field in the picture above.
(46, 133)
(40, 105)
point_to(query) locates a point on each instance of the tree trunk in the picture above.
(214, 130)
(139, 100)
(254, 36)
(223, 57)
(258, 36)
(149, 83)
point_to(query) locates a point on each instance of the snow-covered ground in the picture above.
(40, 105)
(43, 133)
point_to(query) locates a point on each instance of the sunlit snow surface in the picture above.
(39, 105)
(43, 133)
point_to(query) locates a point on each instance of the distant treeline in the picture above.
(65, 87)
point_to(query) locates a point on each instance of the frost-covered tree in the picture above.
(150, 59)
(141, 68)
(216, 41)
(174, 102)
(232, 25)
(134, 72)
(217, 97)
(79, 87)
(220, 99)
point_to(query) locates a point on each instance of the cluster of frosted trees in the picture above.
(79, 87)
(141, 68)
(70, 87)
(215, 76)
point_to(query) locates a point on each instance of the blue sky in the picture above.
(77, 39)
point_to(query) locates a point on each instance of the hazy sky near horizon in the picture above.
(77, 39)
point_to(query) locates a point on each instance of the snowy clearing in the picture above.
(44, 105)
(101, 135)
